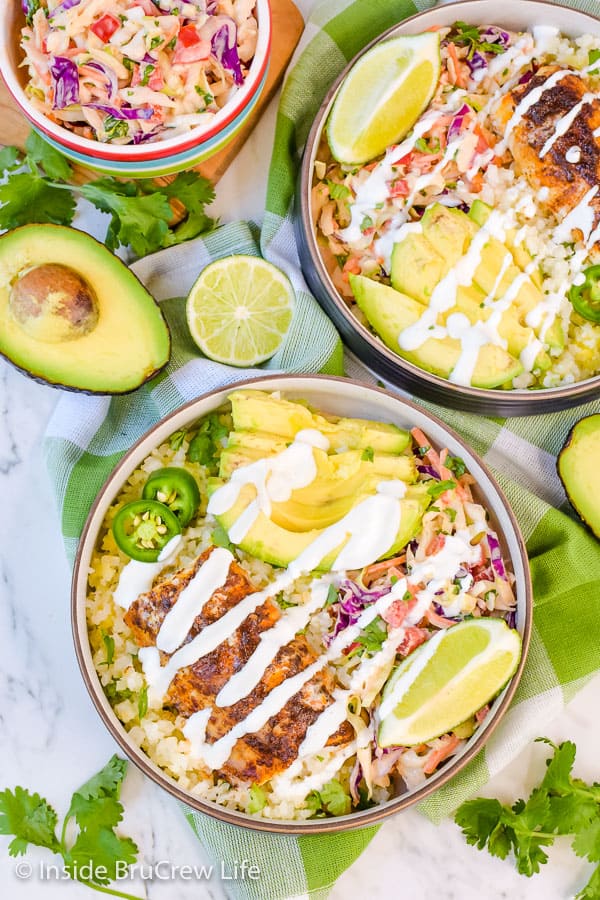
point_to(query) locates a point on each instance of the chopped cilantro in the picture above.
(332, 596)
(220, 538)
(469, 36)
(206, 445)
(366, 224)
(371, 638)
(456, 465)
(109, 645)
(425, 146)
(176, 439)
(143, 702)
(368, 454)
(338, 191)
(440, 487)
(258, 799)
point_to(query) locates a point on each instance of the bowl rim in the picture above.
(160, 149)
(473, 398)
(80, 632)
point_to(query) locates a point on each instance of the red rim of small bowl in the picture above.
(116, 154)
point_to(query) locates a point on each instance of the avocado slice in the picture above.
(259, 411)
(389, 312)
(417, 267)
(449, 230)
(480, 213)
(74, 316)
(280, 546)
(578, 463)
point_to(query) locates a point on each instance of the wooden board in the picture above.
(287, 28)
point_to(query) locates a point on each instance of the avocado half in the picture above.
(578, 467)
(74, 316)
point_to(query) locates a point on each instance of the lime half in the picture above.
(447, 680)
(383, 95)
(239, 310)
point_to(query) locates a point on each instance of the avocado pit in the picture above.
(53, 303)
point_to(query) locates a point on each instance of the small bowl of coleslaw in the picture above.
(136, 87)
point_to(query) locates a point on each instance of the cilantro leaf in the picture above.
(478, 819)
(95, 811)
(27, 198)
(194, 192)
(10, 157)
(368, 454)
(371, 638)
(56, 166)
(258, 799)
(592, 889)
(587, 842)
(29, 818)
(338, 191)
(559, 767)
(440, 487)
(570, 814)
(456, 465)
(177, 439)
(142, 222)
(220, 538)
(106, 782)
(334, 798)
(206, 445)
(100, 850)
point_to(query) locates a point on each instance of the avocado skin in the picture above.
(54, 231)
(590, 516)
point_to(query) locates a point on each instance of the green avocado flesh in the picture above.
(578, 467)
(73, 315)
(422, 260)
(346, 474)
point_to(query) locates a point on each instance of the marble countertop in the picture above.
(51, 738)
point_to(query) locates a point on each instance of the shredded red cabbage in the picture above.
(66, 4)
(123, 113)
(494, 35)
(512, 619)
(355, 778)
(109, 73)
(496, 555)
(227, 56)
(140, 137)
(456, 123)
(353, 601)
(65, 79)
(428, 470)
(525, 77)
(477, 62)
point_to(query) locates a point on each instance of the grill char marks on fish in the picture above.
(566, 182)
(259, 756)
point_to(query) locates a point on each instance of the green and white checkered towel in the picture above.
(87, 436)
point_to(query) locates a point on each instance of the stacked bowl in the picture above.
(145, 160)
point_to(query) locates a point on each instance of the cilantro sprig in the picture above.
(97, 854)
(560, 805)
(37, 189)
(332, 799)
(469, 36)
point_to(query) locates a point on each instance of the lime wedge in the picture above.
(239, 310)
(382, 96)
(447, 680)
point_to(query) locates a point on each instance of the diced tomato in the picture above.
(188, 36)
(413, 638)
(194, 53)
(149, 8)
(400, 188)
(156, 82)
(397, 612)
(105, 27)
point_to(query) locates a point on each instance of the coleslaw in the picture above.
(131, 71)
